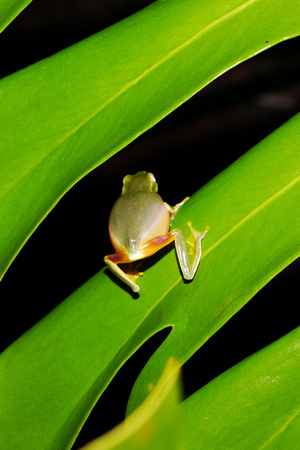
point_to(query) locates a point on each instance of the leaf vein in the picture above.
(281, 430)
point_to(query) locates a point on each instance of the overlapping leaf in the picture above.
(156, 425)
(256, 404)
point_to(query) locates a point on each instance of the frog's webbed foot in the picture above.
(194, 237)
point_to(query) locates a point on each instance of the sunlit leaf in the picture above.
(61, 366)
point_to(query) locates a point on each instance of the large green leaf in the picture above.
(256, 404)
(252, 211)
(9, 9)
(52, 376)
(66, 114)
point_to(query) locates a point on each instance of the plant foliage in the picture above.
(69, 113)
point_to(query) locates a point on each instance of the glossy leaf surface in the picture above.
(251, 209)
(64, 363)
(66, 114)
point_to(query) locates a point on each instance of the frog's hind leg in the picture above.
(119, 258)
(188, 269)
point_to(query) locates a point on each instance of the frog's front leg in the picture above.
(119, 258)
(173, 209)
(188, 269)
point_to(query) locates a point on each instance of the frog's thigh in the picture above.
(112, 261)
(153, 245)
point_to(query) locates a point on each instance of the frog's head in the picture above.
(140, 182)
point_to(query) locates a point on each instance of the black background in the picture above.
(215, 127)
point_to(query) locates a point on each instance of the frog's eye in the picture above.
(153, 184)
(127, 179)
(126, 182)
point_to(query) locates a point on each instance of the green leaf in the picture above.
(251, 209)
(255, 404)
(156, 424)
(61, 366)
(66, 114)
(9, 9)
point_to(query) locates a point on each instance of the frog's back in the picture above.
(135, 219)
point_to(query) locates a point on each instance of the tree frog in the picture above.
(139, 226)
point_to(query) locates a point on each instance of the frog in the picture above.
(139, 226)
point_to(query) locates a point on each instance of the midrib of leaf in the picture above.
(252, 213)
(281, 430)
(125, 89)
